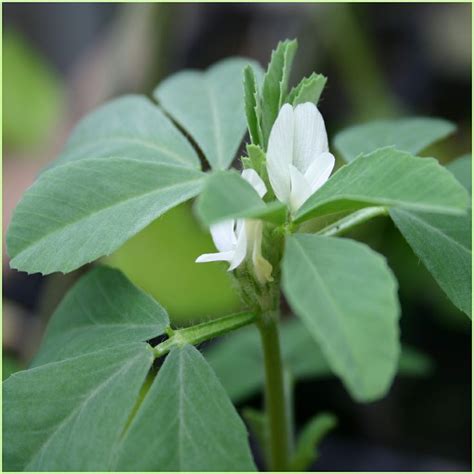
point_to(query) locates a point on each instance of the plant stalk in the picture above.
(275, 403)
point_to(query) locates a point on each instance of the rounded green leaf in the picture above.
(131, 127)
(210, 106)
(102, 310)
(186, 422)
(69, 415)
(85, 209)
(347, 298)
(443, 244)
(227, 196)
(390, 178)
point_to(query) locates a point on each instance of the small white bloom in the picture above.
(235, 239)
(298, 158)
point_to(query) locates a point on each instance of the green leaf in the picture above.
(186, 422)
(347, 298)
(69, 415)
(237, 359)
(10, 365)
(391, 178)
(275, 84)
(461, 168)
(308, 90)
(102, 310)
(85, 209)
(443, 244)
(129, 127)
(411, 135)
(227, 196)
(312, 434)
(210, 106)
(252, 105)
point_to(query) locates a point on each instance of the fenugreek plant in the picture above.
(114, 386)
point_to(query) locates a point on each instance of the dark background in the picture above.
(382, 60)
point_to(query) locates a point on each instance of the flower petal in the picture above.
(318, 173)
(223, 235)
(280, 153)
(240, 251)
(310, 136)
(300, 189)
(252, 177)
(215, 257)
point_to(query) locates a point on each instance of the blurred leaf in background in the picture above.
(161, 261)
(32, 94)
(10, 365)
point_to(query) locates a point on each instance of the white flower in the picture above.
(235, 239)
(298, 158)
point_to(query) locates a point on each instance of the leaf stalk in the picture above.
(203, 332)
(356, 218)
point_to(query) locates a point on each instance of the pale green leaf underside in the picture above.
(238, 361)
(227, 196)
(347, 298)
(85, 209)
(443, 243)
(131, 127)
(411, 135)
(102, 310)
(391, 178)
(186, 422)
(210, 106)
(69, 415)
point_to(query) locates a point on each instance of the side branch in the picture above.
(204, 331)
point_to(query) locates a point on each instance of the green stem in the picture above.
(275, 404)
(352, 220)
(203, 332)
